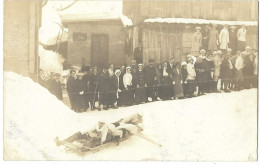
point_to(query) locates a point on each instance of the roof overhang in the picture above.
(199, 21)
(70, 18)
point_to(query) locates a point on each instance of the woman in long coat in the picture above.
(139, 84)
(196, 42)
(166, 84)
(177, 81)
(81, 88)
(191, 77)
(224, 39)
(217, 64)
(226, 72)
(113, 87)
(233, 39)
(127, 95)
(213, 39)
(158, 79)
(93, 86)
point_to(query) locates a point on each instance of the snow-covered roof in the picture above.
(199, 21)
(96, 17)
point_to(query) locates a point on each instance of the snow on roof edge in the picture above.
(199, 21)
(126, 21)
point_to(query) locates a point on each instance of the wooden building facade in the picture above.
(162, 40)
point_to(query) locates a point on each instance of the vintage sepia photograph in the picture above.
(130, 80)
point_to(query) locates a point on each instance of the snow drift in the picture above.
(214, 127)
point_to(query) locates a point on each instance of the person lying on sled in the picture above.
(100, 134)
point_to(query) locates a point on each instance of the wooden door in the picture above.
(99, 49)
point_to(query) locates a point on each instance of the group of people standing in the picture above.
(213, 57)
(210, 39)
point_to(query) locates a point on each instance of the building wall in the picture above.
(21, 21)
(163, 41)
(242, 10)
(82, 49)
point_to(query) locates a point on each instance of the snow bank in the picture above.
(199, 21)
(214, 127)
(50, 61)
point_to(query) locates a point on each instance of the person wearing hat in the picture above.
(196, 42)
(210, 87)
(86, 79)
(241, 38)
(113, 82)
(166, 82)
(93, 88)
(55, 86)
(248, 70)
(127, 94)
(202, 72)
(177, 81)
(71, 88)
(205, 37)
(213, 39)
(226, 71)
(80, 92)
(224, 39)
(191, 77)
(139, 85)
(149, 79)
(217, 64)
(103, 80)
(184, 77)
(233, 39)
(239, 65)
(138, 54)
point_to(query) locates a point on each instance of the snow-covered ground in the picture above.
(214, 127)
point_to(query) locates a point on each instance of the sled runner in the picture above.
(80, 147)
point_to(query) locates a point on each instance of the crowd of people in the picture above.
(109, 86)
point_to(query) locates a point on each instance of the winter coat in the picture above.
(196, 42)
(103, 80)
(233, 41)
(217, 64)
(223, 39)
(226, 66)
(127, 80)
(213, 40)
(241, 35)
(239, 65)
(191, 72)
(149, 75)
(205, 39)
(248, 69)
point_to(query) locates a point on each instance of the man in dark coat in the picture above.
(86, 79)
(112, 88)
(138, 54)
(103, 89)
(149, 79)
(233, 39)
(226, 71)
(205, 38)
(71, 88)
(210, 87)
(93, 88)
(139, 84)
(202, 72)
(81, 88)
(55, 86)
(248, 70)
